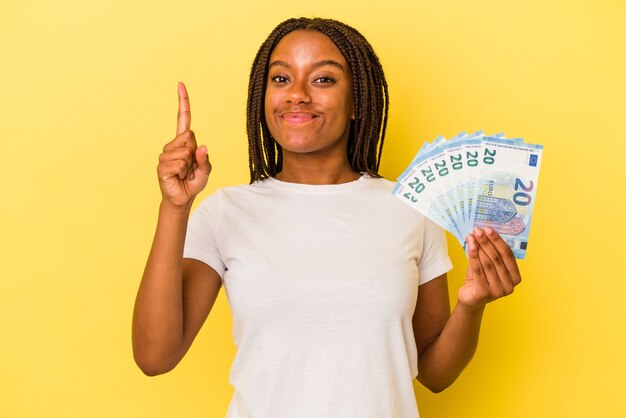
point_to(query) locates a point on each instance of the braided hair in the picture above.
(371, 99)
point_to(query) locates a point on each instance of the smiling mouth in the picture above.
(298, 117)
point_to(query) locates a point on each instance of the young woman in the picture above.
(338, 290)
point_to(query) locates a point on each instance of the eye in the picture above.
(324, 80)
(279, 79)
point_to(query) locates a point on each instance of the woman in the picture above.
(321, 264)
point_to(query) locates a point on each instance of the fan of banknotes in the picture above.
(472, 181)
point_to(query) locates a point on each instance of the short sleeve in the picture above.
(200, 240)
(434, 260)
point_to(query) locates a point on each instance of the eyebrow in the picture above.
(315, 65)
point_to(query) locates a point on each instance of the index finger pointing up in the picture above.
(184, 113)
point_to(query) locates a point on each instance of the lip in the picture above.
(298, 117)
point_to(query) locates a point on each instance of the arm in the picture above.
(175, 295)
(174, 298)
(446, 343)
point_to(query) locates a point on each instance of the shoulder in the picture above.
(378, 182)
(233, 194)
(380, 190)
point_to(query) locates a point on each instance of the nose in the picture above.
(299, 93)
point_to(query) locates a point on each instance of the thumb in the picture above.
(202, 159)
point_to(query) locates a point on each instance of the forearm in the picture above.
(443, 360)
(158, 315)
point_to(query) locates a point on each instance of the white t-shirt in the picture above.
(322, 282)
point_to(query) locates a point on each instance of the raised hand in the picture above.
(184, 167)
(492, 271)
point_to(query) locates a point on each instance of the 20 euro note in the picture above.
(505, 190)
(420, 188)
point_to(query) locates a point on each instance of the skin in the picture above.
(309, 108)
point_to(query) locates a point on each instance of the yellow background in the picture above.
(88, 99)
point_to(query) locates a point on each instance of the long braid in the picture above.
(370, 91)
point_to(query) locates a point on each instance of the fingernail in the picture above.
(489, 231)
(478, 232)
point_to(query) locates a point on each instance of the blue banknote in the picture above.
(506, 190)
(475, 181)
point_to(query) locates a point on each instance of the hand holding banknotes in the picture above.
(492, 271)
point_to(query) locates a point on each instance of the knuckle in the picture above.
(495, 238)
(188, 137)
(496, 290)
(164, 170)
(167, 156)
(507, 288)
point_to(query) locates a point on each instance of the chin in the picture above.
(300, 145)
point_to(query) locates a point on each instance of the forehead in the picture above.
(307, 46)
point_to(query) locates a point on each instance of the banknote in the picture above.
(419, 190)
(505, 192)
(473, 181)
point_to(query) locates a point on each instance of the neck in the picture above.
(306, 169)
